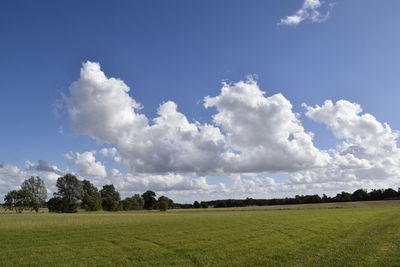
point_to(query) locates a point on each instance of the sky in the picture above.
(201, 100)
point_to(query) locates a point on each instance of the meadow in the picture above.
(346, 234)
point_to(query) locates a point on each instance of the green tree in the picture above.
(163, 205)
(150, 201)
(170, 203)
(91, 197)
(19, 200)
(110, 204)
(38, 189)
(204, 204)
(56, 204)
(196, 204)
(110, 198)
(109, 191)
(359, 195)
(70, 189)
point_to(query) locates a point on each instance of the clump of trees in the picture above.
(32, 195)
(73, 193)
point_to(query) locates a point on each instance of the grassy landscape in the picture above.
(340, 234)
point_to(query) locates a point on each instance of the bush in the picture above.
(110, 204)
(55, 204)
(163, 205)
(90, 203)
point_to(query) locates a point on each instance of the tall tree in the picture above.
(150, 201)
(110, 198)
(70, 189)
(109, 191)
(36, 186)
(91, 197)
(90, 189)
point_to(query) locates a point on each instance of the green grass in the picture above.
(360, 235)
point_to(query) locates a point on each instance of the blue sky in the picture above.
(182, 51)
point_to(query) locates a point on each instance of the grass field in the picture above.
(349, 234)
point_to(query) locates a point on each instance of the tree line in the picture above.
(358, 195)
(73, 194)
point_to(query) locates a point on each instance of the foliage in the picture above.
(38, 189)
(132, 203)
(90, 203)
(109, 191)
(203, 204)
(19, 200)
(56, 204)
(90, 189)
(163, 205)
(70, 189)
(91, 197)
(110, 204)
(149, 198)
(170, 202)
(196, 205)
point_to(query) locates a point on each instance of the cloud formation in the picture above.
(262, 134)
(308, 11)
(87, 164)
(251, 135)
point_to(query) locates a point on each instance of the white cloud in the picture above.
(368, 153)
(308, 11)
(262, 133)
(108, 152)
(87, 164)
(251, 135)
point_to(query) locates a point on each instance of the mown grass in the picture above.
(363, 235)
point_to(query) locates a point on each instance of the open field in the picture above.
(358, 234)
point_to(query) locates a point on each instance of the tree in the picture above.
(91, 197)
(170, 203)
(204, 204)
(70, 189)
(389, 193)
(132, 203)
(196, 205)
(163, 205)
(55, 204)
(359, 195)
(149, 199)
(139, 201)
(109, 191)
(19, 200)
(90, 189)
(37, 187)
(110, 198)
(110, 204)
(90, 203)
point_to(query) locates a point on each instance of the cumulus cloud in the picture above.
(262, 133)
(251, 134)
(310, 10)
(87, 164)
(368, 153)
